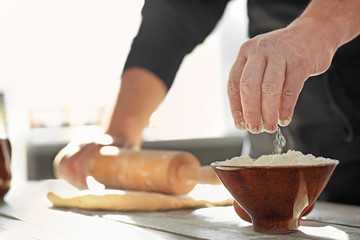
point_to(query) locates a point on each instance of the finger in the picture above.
(250, 90)
(233, 90)
(271, 90)
(294, 82)
(78, 164)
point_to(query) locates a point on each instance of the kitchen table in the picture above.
(27, 214)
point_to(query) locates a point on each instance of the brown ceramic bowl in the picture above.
(244, 216)
(275, 197)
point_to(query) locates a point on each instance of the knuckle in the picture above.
(270, 88)
(249, 46)
(246, 85)
(300, 64)
(293, 90)
(293, 86)
(264, 42)
(251, 117)
(245, 47)
(233, 88)
(289, 92)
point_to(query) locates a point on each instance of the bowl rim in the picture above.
(218, 164)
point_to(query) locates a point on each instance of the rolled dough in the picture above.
(131, 201)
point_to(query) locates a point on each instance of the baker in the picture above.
(300, 69)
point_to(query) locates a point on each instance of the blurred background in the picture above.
(60, 67)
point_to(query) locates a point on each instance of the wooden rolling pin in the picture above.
(173, 172)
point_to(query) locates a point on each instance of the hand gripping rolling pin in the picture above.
(173, 172)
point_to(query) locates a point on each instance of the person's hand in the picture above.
(72, 163)
(270, 70)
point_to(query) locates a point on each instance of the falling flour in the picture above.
(279, 141)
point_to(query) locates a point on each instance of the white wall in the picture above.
(56, 53)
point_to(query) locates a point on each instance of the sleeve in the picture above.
(169, 30)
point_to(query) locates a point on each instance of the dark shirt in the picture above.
(170, 30)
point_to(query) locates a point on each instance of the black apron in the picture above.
(326, 120)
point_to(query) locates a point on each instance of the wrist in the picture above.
(337, 20)
(318, 31)
(127, 130)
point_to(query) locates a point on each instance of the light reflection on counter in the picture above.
(326, 232)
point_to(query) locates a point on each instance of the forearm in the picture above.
(339, 20)
(140, 94)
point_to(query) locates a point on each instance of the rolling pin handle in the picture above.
(203, 175)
